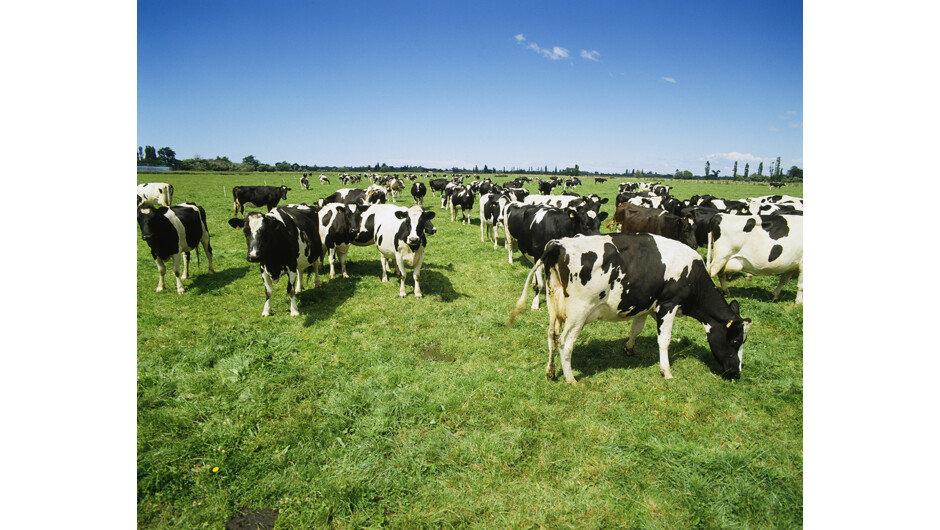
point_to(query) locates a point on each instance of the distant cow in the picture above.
(619, 277)
(654, 221)
(324, 180)
(257, 196)
(286, 239)
(394, 186)
(438, 185)
(336, 233)
(461, 198)
(304, 183)
(344, 196)
(400, 235)
(155, 194)
(776, 185)
(491, 205)
(170, 231)
(546, 187)
(418, 191)
(762, 245)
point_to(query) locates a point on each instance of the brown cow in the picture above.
(634, 218)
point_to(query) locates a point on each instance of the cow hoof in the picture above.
(628, 350)
(571, 381)
(180, 291)
(666, 374)
(402, 295)
(345, 275)
(295, 313)
(159, 289)
(419, 295)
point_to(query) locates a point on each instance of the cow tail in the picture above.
(708, 253)
(521, 305)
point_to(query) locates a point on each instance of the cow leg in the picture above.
(799, 286)
(573, 326)
(483, 231)
(554, 330)
(208, 248)
(495, 236)
(331, 257)
(416, 274)
(268, 290)
(636, 327)
(784, 278)
(343, 250)
(176, 273)
(161, 271)
(293, 279)
(664, 320)
(539, 282)
(400, 266)
(383, 262)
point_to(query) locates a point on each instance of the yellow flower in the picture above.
(215, 469)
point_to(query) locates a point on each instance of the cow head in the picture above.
(587, 221)
(686, 232)
(415, 225)
(284, 190)
(251, 225)
(726, 340)
(146, 215)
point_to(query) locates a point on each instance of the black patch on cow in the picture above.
(775, 226)
(327, 217)
(587, 265)
(750, 224)
(775, 252)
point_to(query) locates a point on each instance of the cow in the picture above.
(776, 185)
(286, 239)
(599, 180)
(461, 197)
(533, 225)
(304, 183)
(660, 189)
(155, 194)
(394, 185)
(337, 230)
(324, 180)
(437, 185)
(257, 196)
(546, 187)
(491, 205)
(701, 219)
(620, 277)
(761, 245)
(375, 194)
(344, 196)
(418, 191)
(171, 230)
(401, 237)
(654, 221)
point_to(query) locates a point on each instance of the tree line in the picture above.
(166, 157)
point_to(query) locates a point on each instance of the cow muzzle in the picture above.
(253, 257)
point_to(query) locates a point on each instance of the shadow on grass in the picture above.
(438, 286)
(203, 282)
(319, 303)
(596, 356)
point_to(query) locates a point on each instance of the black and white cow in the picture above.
(286, 239)
(418, 191)
(438, 185)
(344, 196)
(376, 194)
(155, 194)
(337, 230)
(491, 205)
(257, 196)
(461, 198)
(619, 277)
(546, 187)
(401, 237)
(170, 231)
(304, 183)
(762, 245)
(532, 226)
(324, 180)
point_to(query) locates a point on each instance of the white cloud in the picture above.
(734, 157)
(592, 55)
(556, 52)
(668, 79)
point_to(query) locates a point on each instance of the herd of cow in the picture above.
(650, 267)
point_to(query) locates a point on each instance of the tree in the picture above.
(735, 174)
(747, 169)
(708, 167)
(777, 169)
(485, 169)
(250, 163)
(760, 169)
(716, 172)
(795, 173)
(168, 157)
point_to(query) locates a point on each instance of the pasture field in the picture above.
(369, 410)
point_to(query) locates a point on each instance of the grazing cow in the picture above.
(619, 277)
(375, 194)
(533, 226)
(487, 186)
(304, 183)
(599, 180)
(546, 187)
(324, 180)
(401, 237)
(336, 233)
(438, 185)
(170, 231)
(701, 219)
(286, 239)
(257, 196)
(418, 191)
(394, 186)
(660, 189)
(155, 194)
(344, 196)
(762, 245)
(776, 185)
(461, 197)
(655, 221)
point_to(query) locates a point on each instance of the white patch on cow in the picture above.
(678, 259)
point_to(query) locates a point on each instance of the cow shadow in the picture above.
(597, 356)
(203, 282)
(438, 286)
(320, 303)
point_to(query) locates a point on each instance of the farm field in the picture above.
(370, 410)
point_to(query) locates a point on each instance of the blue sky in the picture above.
(609, 86)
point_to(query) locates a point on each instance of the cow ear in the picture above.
(735, 307)
(400, 214)
(236, 222)
(604, 200)
(602, 216)
(429, 215)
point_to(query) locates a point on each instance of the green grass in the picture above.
(369, 410)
